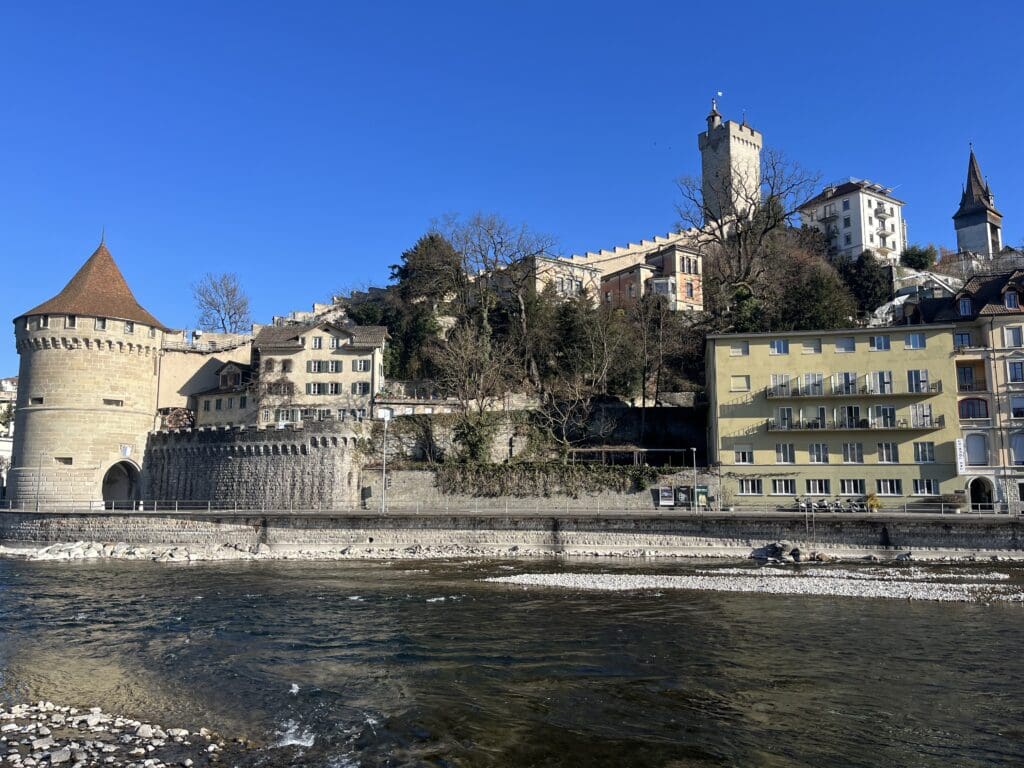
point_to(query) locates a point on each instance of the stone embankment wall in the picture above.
(308, 468)
(512, 535)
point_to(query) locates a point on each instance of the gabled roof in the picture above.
(976, 195)
(986, 293)
(98, 289)
(287, 336)
(853, 185)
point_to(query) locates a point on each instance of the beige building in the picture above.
(987, 335)
(834, 414)
(317, 371)
(231, 402)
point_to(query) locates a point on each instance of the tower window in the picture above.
(71, 321)
(129, 326)
(67, 461)
(101, 323)
(44, 321)
(112, 402)
(35, 401)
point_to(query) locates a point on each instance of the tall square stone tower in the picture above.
(730, 167)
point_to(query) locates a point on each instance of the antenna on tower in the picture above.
(103, 235)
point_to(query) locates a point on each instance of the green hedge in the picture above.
(541, 479)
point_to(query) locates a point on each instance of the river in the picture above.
(422, 663)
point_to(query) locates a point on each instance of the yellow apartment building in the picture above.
(841, 413)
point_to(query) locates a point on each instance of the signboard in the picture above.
(961, 456)
(665, 496)
(684, 495)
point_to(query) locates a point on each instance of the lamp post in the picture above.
(385, 414)
(693, 451)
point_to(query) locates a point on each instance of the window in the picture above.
(743, 454)
(819, 486)
(1012, 336)
(739, 349)
(846, 344)
(360, 388)
(689, 290)
(334, 388)
(878, 343)
(977, 450)
(113, 403)
(818, 453)
(778, 347)
(71, 321)
(885, 416)
(926, 487)
(242, 401)
(785, 453)
(101, 323)
(35, 401)
(206, 405)
(888, 453)
(1017, 448)
(739, 383)
(813, 384)
(750, 486)
(268, 365)
(846, 222)
(973, 408)
(361, 413)
(965, 307)
(871, 238)
(962, 339)
(881, 382)
(846, 204)
(318, 342)
(231, 403)
(361, 366)
(335, 366)
(218, 404)
(924, 453)
(129, 326)
(811, 347)
(917, 380)
(914, 341)
(853, 453)
(847, 239)
(632, 291)
(889, 486)
(1015, 371)
(852, 487)
(780, 384)
(1011, 300)
(783, 487)
(784, 417)
(66, 461)
(266, 414)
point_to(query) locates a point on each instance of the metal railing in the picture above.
(870, 425)
(851, 389)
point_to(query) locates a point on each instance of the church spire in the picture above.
(977, 196)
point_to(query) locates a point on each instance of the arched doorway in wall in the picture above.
(981, 494)
(121, 485)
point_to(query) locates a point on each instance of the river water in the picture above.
(413, 663)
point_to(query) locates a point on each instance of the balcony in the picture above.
(972, 386)
(917, 424)
(840, 389)
(881, 212)
(829, 214)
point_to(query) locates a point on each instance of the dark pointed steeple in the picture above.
(714, 116)
(976, 195)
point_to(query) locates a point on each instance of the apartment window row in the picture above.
(291, 415)
(224, 403)
(853, 417)
(853, 453)
(336, 366)
(846, 382)
(335, 388)
(821, 486)
(845, 344)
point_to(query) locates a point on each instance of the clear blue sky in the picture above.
(305, 145)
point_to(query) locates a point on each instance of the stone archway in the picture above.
(121, 485)
(982, 494)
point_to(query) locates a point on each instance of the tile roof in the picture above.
(98, 289)
(854, 185)
(277, 336)
(986, 293)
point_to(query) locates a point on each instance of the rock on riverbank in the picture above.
(44, 734)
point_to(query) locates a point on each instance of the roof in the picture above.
(278, 336)
(976, 197)
(853, 185)
(98, 289)
(986, 293)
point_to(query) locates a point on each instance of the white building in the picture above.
(858, 215)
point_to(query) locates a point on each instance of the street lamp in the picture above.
(694, 452)
(385, 415)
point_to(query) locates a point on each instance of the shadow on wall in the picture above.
(653, 427)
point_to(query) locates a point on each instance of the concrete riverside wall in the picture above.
(417, 490)
(501, 535)
(307, 468)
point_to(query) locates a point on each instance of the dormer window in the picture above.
(966, 307)
(1011, 300)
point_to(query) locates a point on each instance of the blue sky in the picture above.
(305, 145)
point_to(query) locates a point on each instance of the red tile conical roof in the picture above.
(98, 289)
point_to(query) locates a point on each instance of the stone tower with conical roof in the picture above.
(979, 226)
(87, 392)
(730, 156)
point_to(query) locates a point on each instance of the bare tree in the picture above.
(222, 304)
(754, 205)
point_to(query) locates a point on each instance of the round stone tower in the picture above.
(87, 392)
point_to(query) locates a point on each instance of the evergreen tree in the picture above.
(868, 281)
(919, 257)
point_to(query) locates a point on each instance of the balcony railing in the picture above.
(842, 389)
(972, 386)
(881, 212)
(844, 425)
